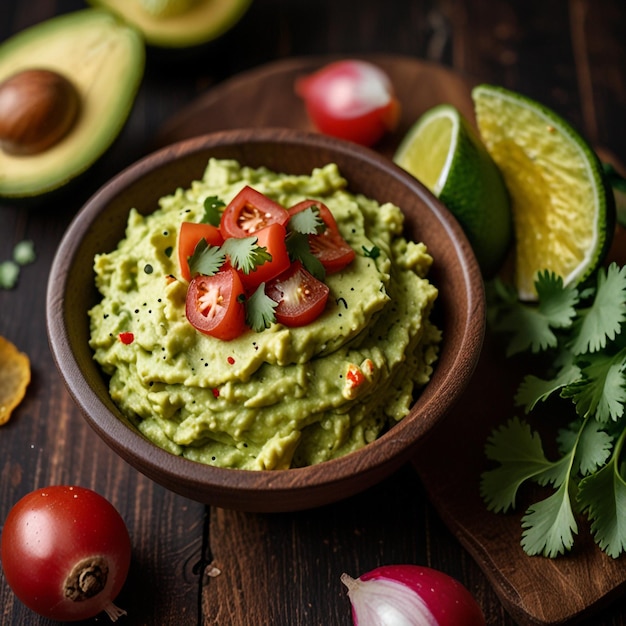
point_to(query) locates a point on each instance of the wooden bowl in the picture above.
(99, 226)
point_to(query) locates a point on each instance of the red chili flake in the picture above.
(216, 392)
(127, 338)
(230, 360)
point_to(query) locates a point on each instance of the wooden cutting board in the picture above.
(535, 591)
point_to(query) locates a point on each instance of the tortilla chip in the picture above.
(14, 378)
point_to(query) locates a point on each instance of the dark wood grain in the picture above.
(285, 569)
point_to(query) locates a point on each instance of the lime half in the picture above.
(444, 152)
(563, 209)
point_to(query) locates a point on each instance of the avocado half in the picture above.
(104, 58)
(204, 21)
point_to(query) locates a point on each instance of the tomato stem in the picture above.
(114, 612)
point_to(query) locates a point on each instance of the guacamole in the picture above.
(283, 397)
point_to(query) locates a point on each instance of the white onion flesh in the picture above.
(384, 602)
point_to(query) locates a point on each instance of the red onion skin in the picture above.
(358, 118)
(448, 600)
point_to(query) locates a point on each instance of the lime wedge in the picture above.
(444, 152)
(563, 209)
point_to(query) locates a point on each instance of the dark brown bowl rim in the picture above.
(187, 477)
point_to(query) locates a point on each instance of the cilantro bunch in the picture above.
(580, 333)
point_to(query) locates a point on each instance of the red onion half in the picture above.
(411, 595)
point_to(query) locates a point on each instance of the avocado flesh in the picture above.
(204, 21)
(104, 58)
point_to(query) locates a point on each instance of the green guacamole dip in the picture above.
(284, 397)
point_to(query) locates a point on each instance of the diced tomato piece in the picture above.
(272, 238)
(189, 235)
(126, 338)
(215, 304)
(332, 250)
(301, 298)
(249, 212)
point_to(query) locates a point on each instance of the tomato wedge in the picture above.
(300, 296)
(332, 250)
(189, 235)
(250, 211)
(215, 305)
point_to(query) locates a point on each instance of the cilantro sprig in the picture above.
(582, 333)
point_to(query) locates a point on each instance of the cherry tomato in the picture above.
(215, 305)
(65, 553)
(300, 296)
(332, 250)
(250, 211)
(189, 235)
(352, 100)
(272, 238)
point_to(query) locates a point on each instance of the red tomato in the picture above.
(272, 238)
(352, 100)
(250, 211)
(215, 304)
(300, 296)
(189, 235)
(329, 247)
(66, 553)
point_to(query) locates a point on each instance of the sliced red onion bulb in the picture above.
(411, 595)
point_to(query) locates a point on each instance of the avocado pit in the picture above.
(38, 107)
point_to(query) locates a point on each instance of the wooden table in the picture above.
(284, 569)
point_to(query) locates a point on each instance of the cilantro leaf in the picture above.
(532, 326)
(594, 448)
(206, 259)
(299, 249)
(245, 253)
(601, 390)
(603, 497)
(534, 389)
(603, 319)
(520, 454)
(260, 310)
(593, 445)
(307, 222)
(549, 525)
(212, 212)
